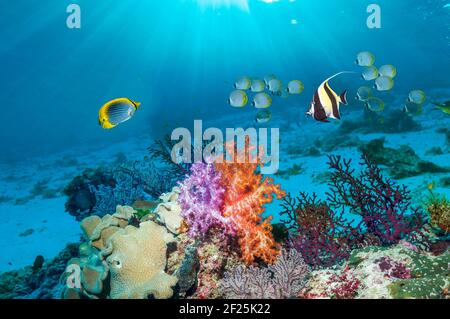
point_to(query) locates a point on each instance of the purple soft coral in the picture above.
(201, 201)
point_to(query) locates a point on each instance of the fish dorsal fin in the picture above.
(337, 74)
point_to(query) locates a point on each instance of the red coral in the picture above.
(324, 237)
(385, 207)
(393, 269)
(245, 196)
(344, 286)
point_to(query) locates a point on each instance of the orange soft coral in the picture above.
(246, 194)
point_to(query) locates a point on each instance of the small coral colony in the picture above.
(205, 234)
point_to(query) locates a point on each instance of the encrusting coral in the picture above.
(402, 162)
(383, 273)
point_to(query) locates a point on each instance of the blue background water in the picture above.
(180, 59)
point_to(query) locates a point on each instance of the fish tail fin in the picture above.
(343, 97)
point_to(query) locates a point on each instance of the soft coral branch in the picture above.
(385, 207)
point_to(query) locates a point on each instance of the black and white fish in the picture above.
(325, 103)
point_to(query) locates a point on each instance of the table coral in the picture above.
(137, 260)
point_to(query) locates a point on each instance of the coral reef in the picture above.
(344, 286)
(296, 169)
(37, 282)
(338, 141)
(125, 192)
(145, 174)
(161, 151)
(246, 193)
(216, 257)
(119, 260)
(202, 199)
(324, 237)
(382, 212)
(383, 273)
(81, 200)
(169, 212)
(384, 206)
(434, 151)
(99, 191)
(229, 198)
(438, 208)
(143, 249)
(401, 163)
(393, 122)
(284, 279)
(414, 275)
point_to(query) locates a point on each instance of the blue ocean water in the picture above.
(180, 59)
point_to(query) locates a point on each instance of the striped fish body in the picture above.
(116, 112)
(325, 103)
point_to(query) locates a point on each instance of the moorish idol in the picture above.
(325, 103)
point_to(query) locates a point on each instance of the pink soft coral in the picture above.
(201, 200)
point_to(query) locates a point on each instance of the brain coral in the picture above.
(137, 260)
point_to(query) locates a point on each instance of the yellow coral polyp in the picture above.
(440, 215)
